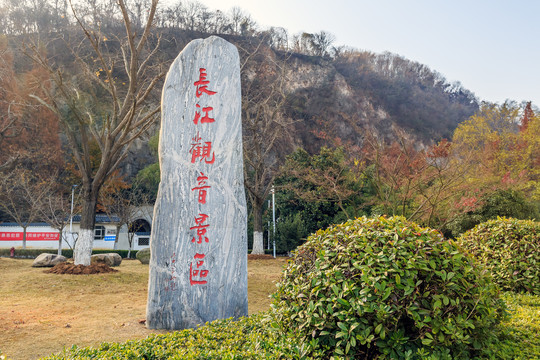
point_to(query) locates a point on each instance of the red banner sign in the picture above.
(30, 236)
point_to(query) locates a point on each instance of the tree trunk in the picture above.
(24, 238)
(117, 237)
(130, 242)
(60, 242)
(258, 244)
(85, 242)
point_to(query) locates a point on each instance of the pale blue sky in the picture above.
(492, 47)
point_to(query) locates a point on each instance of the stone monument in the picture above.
(198, 264)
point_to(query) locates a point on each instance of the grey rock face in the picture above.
(111, 259)
(198, 265)
(143, 256)
(48, 260)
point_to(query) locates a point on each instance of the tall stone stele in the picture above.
(198, 264)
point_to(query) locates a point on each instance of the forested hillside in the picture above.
(338, 90)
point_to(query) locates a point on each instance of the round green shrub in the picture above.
(510, 250)
(385, 288)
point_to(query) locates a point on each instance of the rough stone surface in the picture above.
(110, 259)
(48, 260)
(190, 282)
(143, 256)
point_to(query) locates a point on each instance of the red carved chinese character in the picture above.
(203, 151)
(201, 228)
(202, 84)
(201, 188)
(171, 281)
(197, 272)
(206, 118)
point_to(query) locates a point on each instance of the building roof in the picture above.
(31, 224)
(100, 219)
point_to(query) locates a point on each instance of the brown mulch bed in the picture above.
(260, 257)
(70, 268)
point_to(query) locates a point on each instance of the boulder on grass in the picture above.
(48, 260)
(144, 255)
(110, 259)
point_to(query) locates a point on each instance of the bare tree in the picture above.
(220, 24)
(321, 43)
(108, 103)
(418, 184)
(236, 15)
(193, 15)
(172, 15)
(442, 183)
(21, 197)
(266, 129)
(318, 44)
(8, 129)
(10, 106)
(55, 209)
(395, 169)
(278, 38)
(241, 22)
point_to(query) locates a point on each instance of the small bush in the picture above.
(25, 253)
(290, 232)
(500, 203)
(386, 288)
(33, 253)
(510, 250)
(122, 253)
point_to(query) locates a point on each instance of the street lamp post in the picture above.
(71, 214)
(269, 237)
(274, 218)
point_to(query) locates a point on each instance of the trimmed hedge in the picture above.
(269, 252)
(246, 338)
(251, 338)
(510, 250)
(33, 253)
(386, 288)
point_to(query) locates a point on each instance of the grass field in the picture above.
(41, 313)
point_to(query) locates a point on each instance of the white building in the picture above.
(43, 236)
